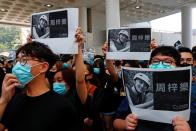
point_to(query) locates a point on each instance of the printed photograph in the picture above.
(119, 40)
(40, 26)
(138, 87)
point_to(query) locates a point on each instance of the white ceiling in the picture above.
(19, 11)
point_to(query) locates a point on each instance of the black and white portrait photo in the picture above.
(40, 26)
(151, 93)
(128, 43)
(56, 28)
(138, 87)
(119, 40)
(50, 25)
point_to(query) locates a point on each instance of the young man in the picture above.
(186, 56)
(161, 57)
(187, 59)
(39, 108)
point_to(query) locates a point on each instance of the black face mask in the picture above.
(185, 65)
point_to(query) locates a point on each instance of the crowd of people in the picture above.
(42, 91)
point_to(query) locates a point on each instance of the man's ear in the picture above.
(44, 67)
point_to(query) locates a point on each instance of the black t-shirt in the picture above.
(111, 98)
(73, 98)
(47, 112)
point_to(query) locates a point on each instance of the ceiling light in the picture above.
(48, 5)
(137, 7)
(3, 10)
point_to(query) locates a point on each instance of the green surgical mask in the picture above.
(161, 65)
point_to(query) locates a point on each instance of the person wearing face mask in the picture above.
(186, 57)
(67, 60)
(64, 83)
(59, 81)
(187, 60)
(71, 83)
(92, 119)
(163, 57)
(38, 108)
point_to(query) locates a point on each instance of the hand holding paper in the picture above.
(79, 37)
(104, 48)
(180, 124)
(131, 122)
(153, 44)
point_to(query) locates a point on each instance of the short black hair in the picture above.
(194, 56)
(132, 63)
(100, 60)
(194, 49)
(184, 49)
(66, 57)
(38, 50)
(166, 51)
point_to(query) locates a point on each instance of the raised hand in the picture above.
(8, 87)
(79, 37)
(180, 124)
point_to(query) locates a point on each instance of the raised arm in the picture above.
(80, 68)
(109, 64)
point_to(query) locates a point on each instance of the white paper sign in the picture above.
(158, 95)
(129, 43)
(57, 29)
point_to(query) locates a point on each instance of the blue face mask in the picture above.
(161, 66)
(23, 73)
(66, 65)
(59, 88)
(96, 71)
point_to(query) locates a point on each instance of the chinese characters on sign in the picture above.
(172, 87)
(161, 92)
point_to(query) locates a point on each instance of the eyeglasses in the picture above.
(164, 62)
(23, 60)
